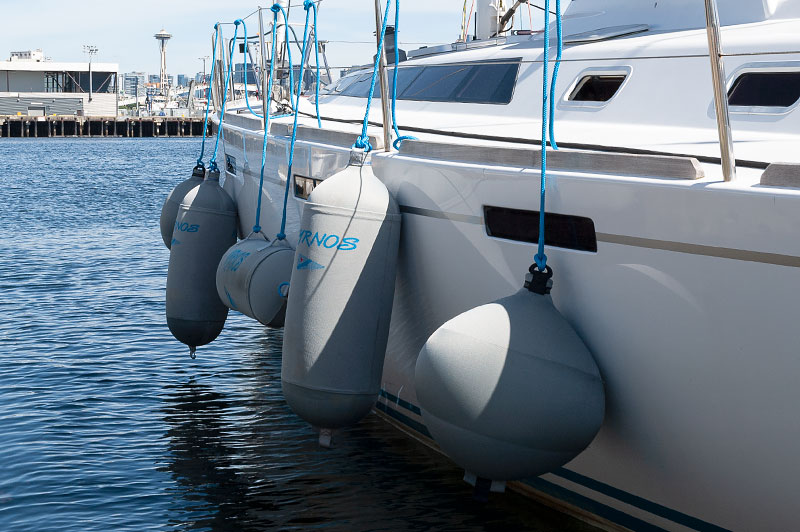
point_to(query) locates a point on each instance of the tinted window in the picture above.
(765, 89)
(477, 89)
(597, 88)
(469, 83)
(339, 85)
(560, 230)
(360, 87)
(437, 83)
(405, 76)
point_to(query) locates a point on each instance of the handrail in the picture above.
(720, 94)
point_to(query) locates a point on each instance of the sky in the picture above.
(123, 31)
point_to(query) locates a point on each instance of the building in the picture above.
(238, 73)
(154, 78)
(28, 55)
(31, 85)
(183, 80)
(200, 77)
(133, 83)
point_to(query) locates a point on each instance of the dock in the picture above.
(83, 126)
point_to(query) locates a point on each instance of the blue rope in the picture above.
(282, 234)
(246, 57)
(555, 74)
(212, 165)
(541, 258)
(208, 96)
(400, 138)
(257, 226)
(362, 142)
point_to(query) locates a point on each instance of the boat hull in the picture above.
(688, 306)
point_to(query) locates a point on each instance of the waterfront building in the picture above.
(28, 55)
(133, 83)
(183, 80)
(34, 86)
(238, 73)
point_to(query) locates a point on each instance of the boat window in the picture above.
(561, 230)
(765, 89)
(339, 85)
(437, 83)
(303, 186)
(597, 88)
(360, 87)
(491, 82)
(478, 90)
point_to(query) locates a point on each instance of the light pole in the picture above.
(203, 59)
(91, 50)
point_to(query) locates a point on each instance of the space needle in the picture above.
(162, 37)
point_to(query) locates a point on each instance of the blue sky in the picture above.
(123, 31)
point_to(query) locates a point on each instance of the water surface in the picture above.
(107, 424)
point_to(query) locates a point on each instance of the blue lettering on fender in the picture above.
(327, 241)
(235, 260)
(348, 244)
(304, 263)
(186, 228)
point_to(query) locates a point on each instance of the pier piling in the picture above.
(78, 126)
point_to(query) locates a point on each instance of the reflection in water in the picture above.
(201, 461)
(244, 461)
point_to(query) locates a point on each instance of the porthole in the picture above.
(765, 89)
(597, 88)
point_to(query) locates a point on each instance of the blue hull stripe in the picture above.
(590, 505)
(404, 419)
(569, 496)
(638, 502)
(405, 404)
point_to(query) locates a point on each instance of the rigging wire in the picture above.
(208, 98)
(257, 226)
(212, 165)
(362, 142)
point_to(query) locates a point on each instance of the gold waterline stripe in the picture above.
(696, 249)
(466, 218)
(791, 261)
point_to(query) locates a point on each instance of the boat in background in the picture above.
(677, 266)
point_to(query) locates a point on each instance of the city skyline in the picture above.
(129, 41)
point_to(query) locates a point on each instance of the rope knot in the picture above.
(276, 8)
(216, 26)
(237, 22)
(541, 261)
(362, 143)
(307, 4)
